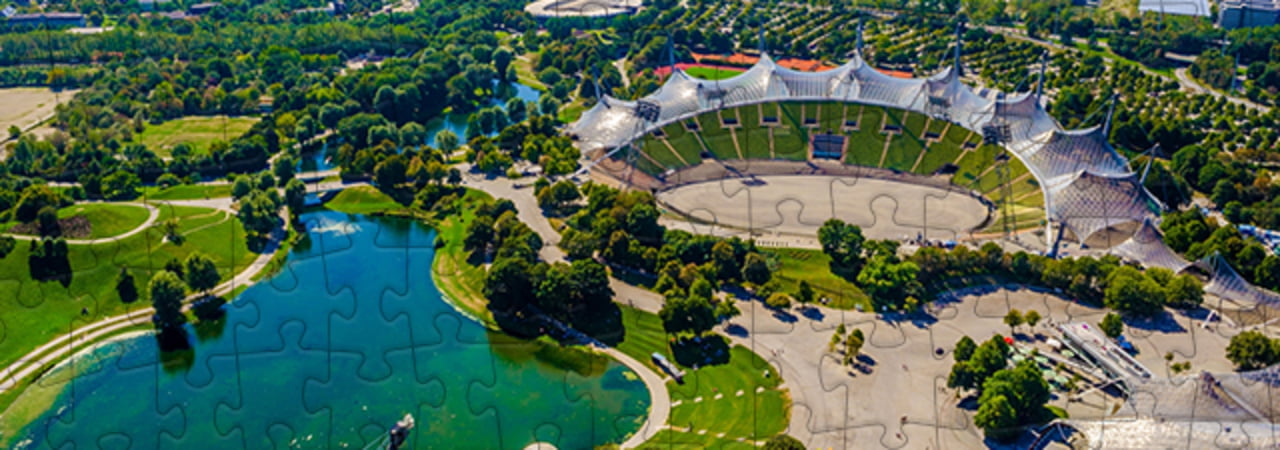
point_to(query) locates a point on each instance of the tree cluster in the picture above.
(1009, 399)
(1102, 280)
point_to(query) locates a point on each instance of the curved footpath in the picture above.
(151, 220)
(64, 345)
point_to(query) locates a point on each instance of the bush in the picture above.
(779, 300)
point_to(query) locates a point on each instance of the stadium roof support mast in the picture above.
(959, 44)
(1044, 61)
(1111, 109)
(858, 45)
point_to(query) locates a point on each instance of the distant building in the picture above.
(1199, 8)
(8, 11)
(201, 8)
(1248, 13)
(331, 9)
(51, 20)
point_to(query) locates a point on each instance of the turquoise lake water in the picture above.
(351, 336)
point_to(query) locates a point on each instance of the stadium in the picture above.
(945, 161)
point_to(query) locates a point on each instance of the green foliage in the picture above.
(779, 300)
(295, 195)
(843, 243)
(259, 212)
(1013, 318)
(755, 269)
(201, 273)
(964, 349)
(1251, 350)
(692, 315)
(167, 291)
(1024, 391)
(125, 286)
(783, 442)
(1111, 325)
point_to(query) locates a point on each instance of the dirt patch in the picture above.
(28, 106)
(74, 227)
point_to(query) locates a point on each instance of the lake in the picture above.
(330, 352)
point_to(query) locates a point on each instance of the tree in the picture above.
(725, 261)
(1111, 325)
(391, 172)
(201, 273)
(755, 269)
(120, 185)
(1013, 318)
(590, 282)
(502, 58)
(853, 345)
(125, 288)
(167, 292)
(1129, 290)
(1253, 350)
(283, 169)
(889, 282)
(295, 196)
(447, 141)
(997, 418)
(507, 285)
(47, 219)
(241, 187)
(258, 212)
(804, 293)
(842, 242)
(266, 182)
(1031, 318)
(693, 315)
(778, 300)
(1184, 291)
(783, 442)
(964, 349)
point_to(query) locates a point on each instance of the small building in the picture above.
(1087, 341)
(1234, 14)
(50, 19)
(202, 8)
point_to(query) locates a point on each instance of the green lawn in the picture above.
(197, 131)
(708, 73)
(107, 219)
(754, 415)
(716, 138)
(906, 145)
(460, 281)
(791, 139)
(187, 192)
(944, 151)
(36, 311)
(753, 137)
(684, 142)
(658, 150)
(362, 200)
(867, 143)
(795, 265)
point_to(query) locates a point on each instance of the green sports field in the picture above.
(196, 131)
